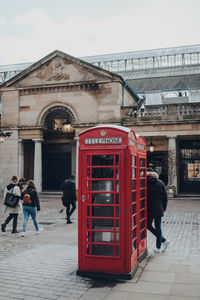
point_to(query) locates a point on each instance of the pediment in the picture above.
(59, 68)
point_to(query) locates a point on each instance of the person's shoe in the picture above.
(69, 222)
(165, 245)
(157, 250)
(15, 231)
(61, 210)
(3, 227)
(22, 234)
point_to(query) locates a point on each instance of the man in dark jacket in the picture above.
(69, 196)
(156, 205)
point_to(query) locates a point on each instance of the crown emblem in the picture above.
(103, 133)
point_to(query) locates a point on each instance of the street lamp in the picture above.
(3, 135)
(67, 127)
(151, 146)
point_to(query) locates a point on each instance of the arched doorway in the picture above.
(58, 149)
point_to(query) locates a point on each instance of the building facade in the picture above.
(36, 105)
(167, 113)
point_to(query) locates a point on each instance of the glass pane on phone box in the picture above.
(117, 237)
(88, 172)
(142, 182)
(88, 185)
(134, 246)
(142, 214)
(102, 173)
(142, 224)
(117, 250)
(134, 233)
(133, 209)
(133, 172)
(133, 184)
(88, 223)
(117, 160)
(142, 193)
(102, 237)
(105, 198)
(142, 203)
(142, 162)
(88, 160)
(103, 160)
(103, 224)
(102, 211)
(103, 250)
(133, 197)
(88, 211)
(103, 185)
(88, 236)
(117, 173)
(117, 186)
(117, 199)
(117, 224)
(117, 211)
(133, 161)
(142, 173)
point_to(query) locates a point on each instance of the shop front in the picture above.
(189, 154)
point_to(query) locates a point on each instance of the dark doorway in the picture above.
(56, 165)
(158, 160)
(28, 159)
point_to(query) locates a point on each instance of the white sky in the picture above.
(31, 29)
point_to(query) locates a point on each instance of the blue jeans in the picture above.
(27, 211)
(157, 231)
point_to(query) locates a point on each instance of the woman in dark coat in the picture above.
(30, 208)
(156, 205)
(69, 197)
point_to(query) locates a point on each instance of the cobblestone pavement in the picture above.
(43, 266)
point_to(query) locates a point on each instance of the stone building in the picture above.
(167, 82)
(37, 103)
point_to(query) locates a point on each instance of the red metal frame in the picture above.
(142, 195)
(108, 208)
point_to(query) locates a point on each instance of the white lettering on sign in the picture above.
(112, 140)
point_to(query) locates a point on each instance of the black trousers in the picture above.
(15, 218)
(157, 231)
(70, 208)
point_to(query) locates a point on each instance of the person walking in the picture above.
(31, 205)
(156, 206)
(69, 197)
(13, 211)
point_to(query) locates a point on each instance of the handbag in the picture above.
(11, 200)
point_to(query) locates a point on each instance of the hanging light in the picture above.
(1, 139)
(67, 127)
(151, 146)
(3, 135)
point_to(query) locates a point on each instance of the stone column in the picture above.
(38, 164)
(21, 158)
(172, 162)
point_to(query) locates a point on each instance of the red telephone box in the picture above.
(142, 197)
(109, 215)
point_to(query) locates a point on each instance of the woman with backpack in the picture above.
(13, 211)
(31, 205)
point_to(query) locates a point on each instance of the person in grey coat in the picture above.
(156, 206)
(13, 212)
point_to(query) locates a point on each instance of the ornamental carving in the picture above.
(53, 71)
